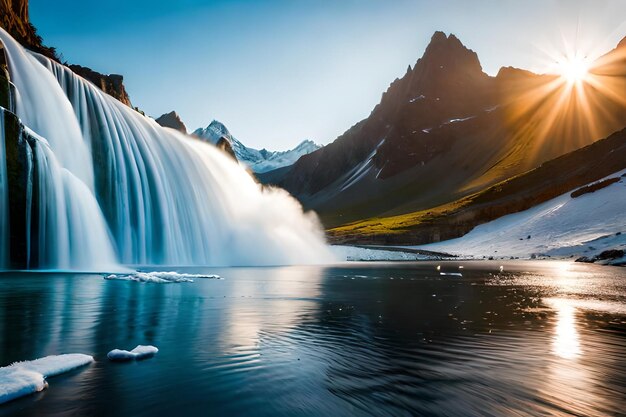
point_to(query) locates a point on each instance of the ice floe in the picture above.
(24, 378)
(159, 277)
(140, 352)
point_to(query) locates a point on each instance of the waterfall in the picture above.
(111, 185)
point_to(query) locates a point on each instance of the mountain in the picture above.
(446, 130)
(454, 219)
(259, 161)
(172, 120)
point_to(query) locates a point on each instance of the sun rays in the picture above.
(577, 101)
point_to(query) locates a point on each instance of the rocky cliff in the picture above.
(112, 84)
(14, 19)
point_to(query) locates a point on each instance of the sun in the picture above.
(574, 70)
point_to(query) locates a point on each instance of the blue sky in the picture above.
(280, 71)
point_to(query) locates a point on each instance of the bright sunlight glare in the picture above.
(574, 69)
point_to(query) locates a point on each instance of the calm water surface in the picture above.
(364, 339)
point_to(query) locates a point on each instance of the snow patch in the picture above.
(458, 120)
(561, 227)
(362, 169)
(24, 378)
(140, 352)
(414, 99)
(159, 277)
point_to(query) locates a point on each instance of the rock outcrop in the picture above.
(15, 20)
(112, 84)
(225, 146)
(172, 120)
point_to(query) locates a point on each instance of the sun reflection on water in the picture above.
(566, 342)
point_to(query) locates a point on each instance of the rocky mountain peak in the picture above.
(445, 57)
(172, 120)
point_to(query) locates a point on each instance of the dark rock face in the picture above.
(594, 187)
(610, 254)
(226, 146)
(22, 193)
(607, 255)
(446, 82)
(112, 84)
(172, 120)
(7, 89)
(14, 19)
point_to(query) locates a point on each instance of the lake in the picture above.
(394, 339)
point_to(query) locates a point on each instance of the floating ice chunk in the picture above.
(454, 274)
(159, 277)
(140, 352)
(24, 378)
(18, 382)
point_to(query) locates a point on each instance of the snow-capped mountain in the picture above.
(257, 160)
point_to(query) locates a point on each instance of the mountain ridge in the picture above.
(259, 161)
(442, 131)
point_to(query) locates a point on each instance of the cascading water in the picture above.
(111, 185)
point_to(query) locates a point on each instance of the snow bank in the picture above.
(353, 253)
(23, 378)
(560, 227)
(140, 352)
(159, 277)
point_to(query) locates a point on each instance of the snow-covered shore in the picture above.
(561, 228)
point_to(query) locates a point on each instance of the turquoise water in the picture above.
(361, 339)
